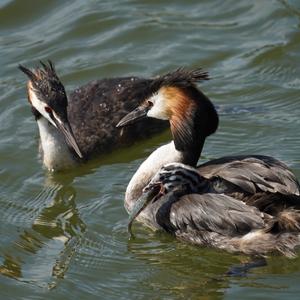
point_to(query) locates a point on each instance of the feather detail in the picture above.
(180, 78)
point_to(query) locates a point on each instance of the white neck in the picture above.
(55, 151)
(161, 156)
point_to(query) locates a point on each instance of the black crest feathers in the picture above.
(47, 84)
(179, 78)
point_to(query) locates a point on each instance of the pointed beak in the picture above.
(140, 204)
(66, 130)
(137, 114)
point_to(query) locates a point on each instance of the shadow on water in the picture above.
(47, 247)
(43, 249)
(203, 272)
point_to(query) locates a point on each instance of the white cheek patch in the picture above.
(39, 106)
(159, 108)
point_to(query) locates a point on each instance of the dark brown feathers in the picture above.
(288, 220)
(96, 108)
(180, 78)
(284, 208)
(216, 213)
(220, 221)
(253, 174)
(46, 72)
(47, 85)
(188, 207)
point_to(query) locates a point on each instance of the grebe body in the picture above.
(91, 112)
(246, 204)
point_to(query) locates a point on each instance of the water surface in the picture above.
(63, 236)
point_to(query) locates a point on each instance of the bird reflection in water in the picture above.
(47, 247)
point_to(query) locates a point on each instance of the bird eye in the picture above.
(48, 109)
(150, 103)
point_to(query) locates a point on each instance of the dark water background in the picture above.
(64, 236)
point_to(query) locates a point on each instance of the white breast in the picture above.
(55, 151)
(161, 156)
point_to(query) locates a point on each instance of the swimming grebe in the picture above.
(90, 114)
(183, 203)
(203, 205)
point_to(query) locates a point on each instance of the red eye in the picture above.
(48, 109)
(150, 104)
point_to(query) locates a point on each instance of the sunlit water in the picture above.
(64, 236)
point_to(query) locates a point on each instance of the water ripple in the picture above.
(64, 235)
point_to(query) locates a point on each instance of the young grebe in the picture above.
(81, 127)
(203, 204)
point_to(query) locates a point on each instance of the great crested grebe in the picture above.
(76, 128)
(203, 204)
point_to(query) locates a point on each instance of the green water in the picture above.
(64, 236)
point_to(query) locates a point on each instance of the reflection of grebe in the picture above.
(78, 128)
(203, 205)
(55, 232)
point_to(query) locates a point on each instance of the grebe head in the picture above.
(172, 179)
(176, 98)
(48, 99)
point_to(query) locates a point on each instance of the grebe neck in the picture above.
(55, 152)
(161, 156)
